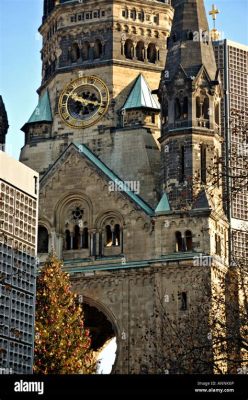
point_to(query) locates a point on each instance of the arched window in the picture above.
(217, 113)
(205, 108)
(182, 164)
(67, 240)
(177, 109)
(75, 52)
(179, 241)
(140, 51)
(198, 107)
(203, 163)
(152, 53)
(183, 301)
(118, 27)
(42, 240)
(188, 240)
(108, 236)
(185, 107)
(149, 32)
(129, 49)
(97, 49)
(165, 111)
(76, 238)
(85, 51)
(190, 35)
(205, 37)
(217, 244)
(133, 14)
(85, 240)
(116, 235)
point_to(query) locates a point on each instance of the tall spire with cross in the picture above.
(190, 98)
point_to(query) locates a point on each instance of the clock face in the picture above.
(83, 102)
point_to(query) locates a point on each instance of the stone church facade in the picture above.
(125, 199)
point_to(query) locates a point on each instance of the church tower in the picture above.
(191, 143)
(190, 96)
(138, 258)
(94, 56)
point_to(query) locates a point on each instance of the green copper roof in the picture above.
(118, 182)
(141, 96)
(43, 110)
(163, 205)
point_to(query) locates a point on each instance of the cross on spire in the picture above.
(213, 13)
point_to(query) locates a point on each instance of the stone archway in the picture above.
(102, 329)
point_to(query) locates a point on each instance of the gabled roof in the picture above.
(84, 151)
(141, 96)
(42, 112)
(163, 204)
(201, 71)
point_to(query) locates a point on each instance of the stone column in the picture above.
(134, 51)
(92, 236)
(112, 231)
(81, 239)
(71, 234)
(157, 54)
(52, 240)
(122, 239)
(122, 48)
(100, 252)
(91, 51)
(80, 52)
(145, 52)
(60, 241)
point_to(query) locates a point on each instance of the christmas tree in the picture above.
(62, 344)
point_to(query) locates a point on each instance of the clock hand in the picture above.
(75, 97)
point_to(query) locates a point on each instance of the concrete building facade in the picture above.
(232, 60)
(18, 234)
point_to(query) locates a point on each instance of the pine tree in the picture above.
(62, 344)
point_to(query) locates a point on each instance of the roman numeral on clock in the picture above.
(65, 115)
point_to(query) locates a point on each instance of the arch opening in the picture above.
(43, 239)
(103, 337)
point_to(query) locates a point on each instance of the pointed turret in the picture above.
(141, 96)
(41, 114)
(190, 96)
(189, 43)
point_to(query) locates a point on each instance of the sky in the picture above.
(20, 45)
